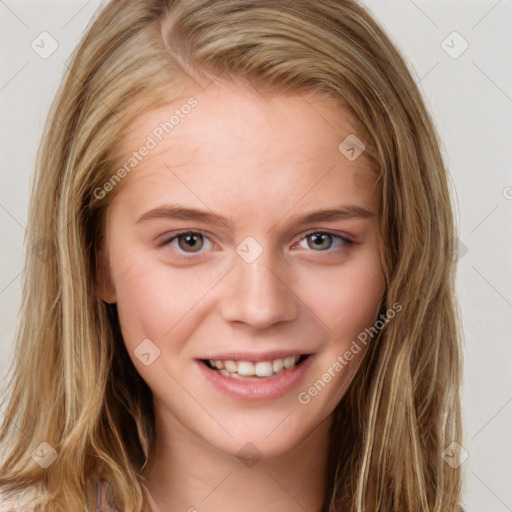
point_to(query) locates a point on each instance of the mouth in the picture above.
(255, 370)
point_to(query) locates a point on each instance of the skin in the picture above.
(261, 162)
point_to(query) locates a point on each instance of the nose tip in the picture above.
(258, 295)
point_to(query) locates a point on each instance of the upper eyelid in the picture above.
(168, 239)
(328, 232)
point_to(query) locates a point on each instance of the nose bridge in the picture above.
(257, 292)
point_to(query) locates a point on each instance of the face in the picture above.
(242, 254)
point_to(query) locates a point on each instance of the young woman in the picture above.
(245, 298)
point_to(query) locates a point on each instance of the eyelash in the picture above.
(190, 256)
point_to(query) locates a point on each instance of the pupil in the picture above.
(189, 241)
(319, 240)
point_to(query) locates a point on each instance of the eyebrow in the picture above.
(180, 212)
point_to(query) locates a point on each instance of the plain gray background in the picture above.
(469, 92)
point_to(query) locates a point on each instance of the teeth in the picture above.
(263, 369)
(289, 362)
(277, 365)
(249, 369)
(230, 366)
(246, 369)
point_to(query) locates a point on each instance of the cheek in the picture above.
(346, 299)
(153, 298)
(141, 295)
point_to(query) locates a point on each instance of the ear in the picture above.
(104, 283)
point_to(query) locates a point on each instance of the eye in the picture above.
(193, 243)
(190, 242)
(322, 241)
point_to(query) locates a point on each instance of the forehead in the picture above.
(238, 145)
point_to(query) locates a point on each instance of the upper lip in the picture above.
(250, 356)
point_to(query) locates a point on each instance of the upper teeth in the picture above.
(250, 369)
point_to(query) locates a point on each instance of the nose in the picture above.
(257, 294)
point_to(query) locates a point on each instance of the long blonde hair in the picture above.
(73, 385)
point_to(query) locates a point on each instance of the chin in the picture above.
(260, 441)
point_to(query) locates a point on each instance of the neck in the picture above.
(187, 474)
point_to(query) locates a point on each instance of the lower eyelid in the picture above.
(206, 240)
(174, 237)
(341, 240)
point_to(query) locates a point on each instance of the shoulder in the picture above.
(102, 498)
(22, 503)
(104, 501)
(8, 508)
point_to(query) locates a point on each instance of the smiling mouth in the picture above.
(258, 370)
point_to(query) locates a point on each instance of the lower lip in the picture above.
(258, 388)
